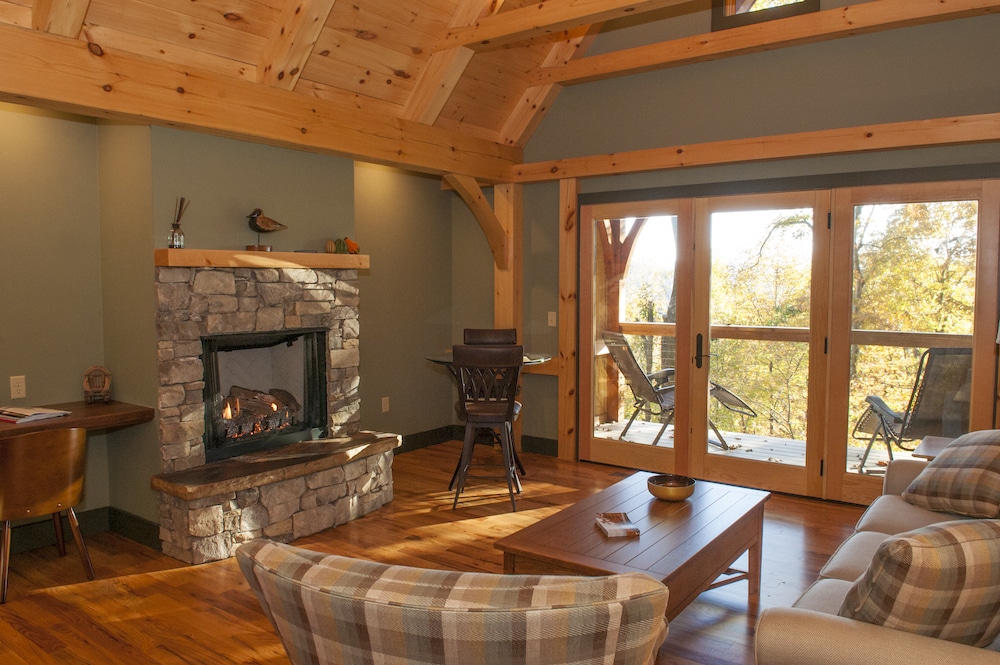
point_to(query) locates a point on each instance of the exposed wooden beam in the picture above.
(493, 229)
(292, 40)
(545, 18)
(55, 72)
(59, 17)
(536, 100)
(445, 68)
(867, 17)
(937, 132)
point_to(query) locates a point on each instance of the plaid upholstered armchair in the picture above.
(333, 609)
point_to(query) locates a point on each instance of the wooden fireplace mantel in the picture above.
(224, 258)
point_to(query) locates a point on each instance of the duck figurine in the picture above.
(261, 224)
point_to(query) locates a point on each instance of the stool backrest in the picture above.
(488, 373)
(490, 336)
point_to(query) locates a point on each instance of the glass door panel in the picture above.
(760, 289)
(631, 305)
(914, 288)
(915, 352)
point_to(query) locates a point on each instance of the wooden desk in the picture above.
(689, 545)
(95, 418)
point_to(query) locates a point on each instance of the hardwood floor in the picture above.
(148, 608)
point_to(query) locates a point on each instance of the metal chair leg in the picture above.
(464, 462)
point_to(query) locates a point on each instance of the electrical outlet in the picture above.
(18, 389)
(552, 319)
(385, 405)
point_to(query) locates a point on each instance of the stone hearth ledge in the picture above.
(283, 494)
(266, 467)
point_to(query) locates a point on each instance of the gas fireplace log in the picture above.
(285, 399)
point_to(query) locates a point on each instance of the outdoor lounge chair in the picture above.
(654, 392)
(938, 406)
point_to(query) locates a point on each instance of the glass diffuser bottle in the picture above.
(175, 240)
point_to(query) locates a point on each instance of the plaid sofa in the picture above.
(333, 609)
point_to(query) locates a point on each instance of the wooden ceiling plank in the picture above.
(222, 38)
(59, 17)
(867, 17)
(545, 18)
(67, 75)
(14, 14)
(362, 67)
(938, 132)
(493, 229)
(445, 68)
(177, 56)
(292, 41)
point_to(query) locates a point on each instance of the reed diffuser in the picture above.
(175, 240)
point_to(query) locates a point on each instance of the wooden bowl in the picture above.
(669, 487)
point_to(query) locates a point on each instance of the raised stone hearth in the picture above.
(283, 494)
(200, 294)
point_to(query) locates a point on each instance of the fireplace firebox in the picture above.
(263, 389)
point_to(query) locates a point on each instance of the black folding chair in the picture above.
(938, 406)
(654, 392)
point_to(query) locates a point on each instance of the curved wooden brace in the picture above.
(496, 235)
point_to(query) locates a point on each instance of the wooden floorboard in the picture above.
(147, 608)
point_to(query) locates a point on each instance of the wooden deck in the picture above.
(747, 446)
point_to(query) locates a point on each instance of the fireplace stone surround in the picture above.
(206, 510)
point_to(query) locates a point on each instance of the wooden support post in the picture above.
(569, 313)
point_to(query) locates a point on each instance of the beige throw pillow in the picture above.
(964, 479)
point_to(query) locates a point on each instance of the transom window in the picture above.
(732, 13)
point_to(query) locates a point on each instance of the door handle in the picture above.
(699, 347)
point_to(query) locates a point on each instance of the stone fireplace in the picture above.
(297, 477)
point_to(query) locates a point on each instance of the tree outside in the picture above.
(914, 271)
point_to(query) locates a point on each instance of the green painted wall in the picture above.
(50, 271)
(83, 204)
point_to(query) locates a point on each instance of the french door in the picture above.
(740, 309)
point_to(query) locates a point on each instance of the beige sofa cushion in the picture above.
(964, 479)
(853, 557)
(941, 581)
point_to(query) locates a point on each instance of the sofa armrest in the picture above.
(900, 473)
(792, 636)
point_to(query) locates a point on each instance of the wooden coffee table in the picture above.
(689, 545)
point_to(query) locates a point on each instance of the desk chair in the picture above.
(41, 473)
(487, 378)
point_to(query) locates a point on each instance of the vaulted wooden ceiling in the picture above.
(435, 85)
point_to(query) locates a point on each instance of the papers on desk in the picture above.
(17, 414)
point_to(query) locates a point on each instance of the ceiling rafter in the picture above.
(545, 18)
(445, 68)
(82, 78)
(292, 41)
(536, 100)
(867, 17)
(59, 17)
